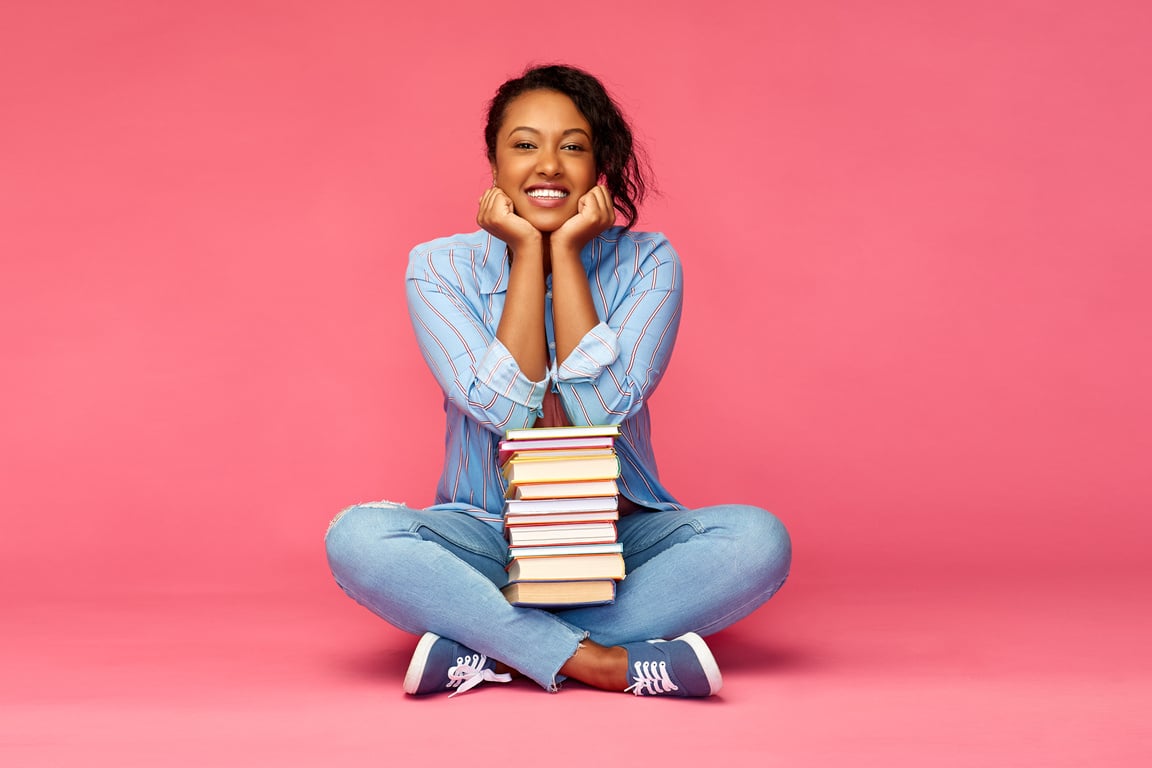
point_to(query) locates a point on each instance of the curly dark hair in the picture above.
(618, 160)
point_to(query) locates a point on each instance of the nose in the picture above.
(547, 163)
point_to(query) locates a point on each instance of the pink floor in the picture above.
(839, 674)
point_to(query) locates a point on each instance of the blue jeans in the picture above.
(441, 571)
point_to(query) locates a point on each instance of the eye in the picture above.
(573, 147)
(524, 145)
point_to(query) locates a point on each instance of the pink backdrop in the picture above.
(916, 238)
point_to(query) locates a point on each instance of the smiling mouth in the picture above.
(548, 194)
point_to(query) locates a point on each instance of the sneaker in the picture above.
(680, 667)
(439, 664)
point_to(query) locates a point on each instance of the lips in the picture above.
(546, 195)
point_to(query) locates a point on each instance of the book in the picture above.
(559, 453)
(573, 533)
(523, 471)
(563, 490)
(566, 550)
(548, 433)
(508, 447)
(559, 518)
(560, 515)
(579, 504)
(560, 567)
(561, 593)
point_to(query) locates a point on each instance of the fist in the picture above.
(497, 216)
(594, 214)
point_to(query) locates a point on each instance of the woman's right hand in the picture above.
(497, 217)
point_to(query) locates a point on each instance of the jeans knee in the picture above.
(765, 545)
(339, 537)
(348, 535)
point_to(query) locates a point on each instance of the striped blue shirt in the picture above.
(456, 289)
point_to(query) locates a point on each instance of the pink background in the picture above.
(916, 238)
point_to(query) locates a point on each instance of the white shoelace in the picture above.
(469, 672)
(651, 677)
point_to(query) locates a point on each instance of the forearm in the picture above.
(521, 328)
(573, 311)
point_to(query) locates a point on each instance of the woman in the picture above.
(552, 315)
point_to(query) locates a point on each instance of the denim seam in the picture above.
(418, 524)
(723, 621)
(695, 524)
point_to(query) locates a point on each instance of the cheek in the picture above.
(592, 175)
(511, 172)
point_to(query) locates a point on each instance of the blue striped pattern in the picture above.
(456, 288)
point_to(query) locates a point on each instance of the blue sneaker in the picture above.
(680, 667)
(439, 664)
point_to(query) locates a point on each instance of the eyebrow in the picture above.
(537, 132)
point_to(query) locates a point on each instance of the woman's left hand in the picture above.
(594, 214)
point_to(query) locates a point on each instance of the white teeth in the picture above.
(547, 193)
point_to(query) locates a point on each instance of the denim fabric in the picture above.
(441, 571)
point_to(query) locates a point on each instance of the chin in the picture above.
(550, 222)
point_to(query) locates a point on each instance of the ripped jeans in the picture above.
(441, 571)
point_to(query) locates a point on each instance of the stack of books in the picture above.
(560, 515)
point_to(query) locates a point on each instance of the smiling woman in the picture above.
(544, 164)
(553, 315)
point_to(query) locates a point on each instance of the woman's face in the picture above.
(544, 159)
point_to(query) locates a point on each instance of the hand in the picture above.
(497, 217)
(594, 214)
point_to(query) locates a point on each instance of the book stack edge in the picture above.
(560, 515)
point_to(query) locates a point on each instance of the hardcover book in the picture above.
(566, 534)
(561, 593)
(566, 550)
(560, 518)
(563, 490)
(559, 470)
(508, 447)
(548, 433)
(560, 567)
(517, 507)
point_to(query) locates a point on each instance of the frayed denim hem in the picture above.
(558, 679)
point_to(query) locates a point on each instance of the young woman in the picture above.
(551, 315)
